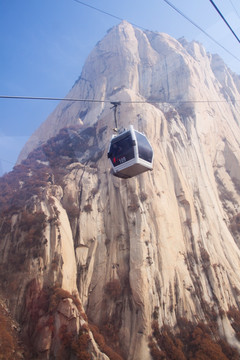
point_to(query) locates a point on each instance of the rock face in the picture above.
(132, 65)
(160, 247)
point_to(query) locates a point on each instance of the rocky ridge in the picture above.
(139, 257)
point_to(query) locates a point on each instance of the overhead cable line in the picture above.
(219, 12)
(234, 8)
(97, 9)
(106, 13)
(202, 30)
(176, 9)
(110, 101)
(8, 161)
(50, 98)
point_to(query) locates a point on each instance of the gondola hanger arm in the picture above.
(115, 105)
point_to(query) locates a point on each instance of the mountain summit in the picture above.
(136, 66)
(145, 268)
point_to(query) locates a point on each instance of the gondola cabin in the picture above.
(130, 153)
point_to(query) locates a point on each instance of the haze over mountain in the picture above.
(154, 256)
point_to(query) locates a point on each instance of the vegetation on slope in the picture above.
(9, 345)
(192, 342)
(48, 164)
(45, 164)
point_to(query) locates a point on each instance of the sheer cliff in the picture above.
(152, 261)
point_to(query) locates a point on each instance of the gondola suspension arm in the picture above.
(114, 107)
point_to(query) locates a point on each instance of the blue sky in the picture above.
(44, 44)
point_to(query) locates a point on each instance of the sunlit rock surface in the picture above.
(164, 245)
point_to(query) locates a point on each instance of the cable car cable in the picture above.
(176, 9)
(106, 13)
(198, 27)
(219, 12)
(234, 8)
(50, 98)
(99, 10)
(8, 161)
(12, 97)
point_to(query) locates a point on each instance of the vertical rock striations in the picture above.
(161, 249)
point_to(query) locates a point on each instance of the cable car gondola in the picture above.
(130, 153)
